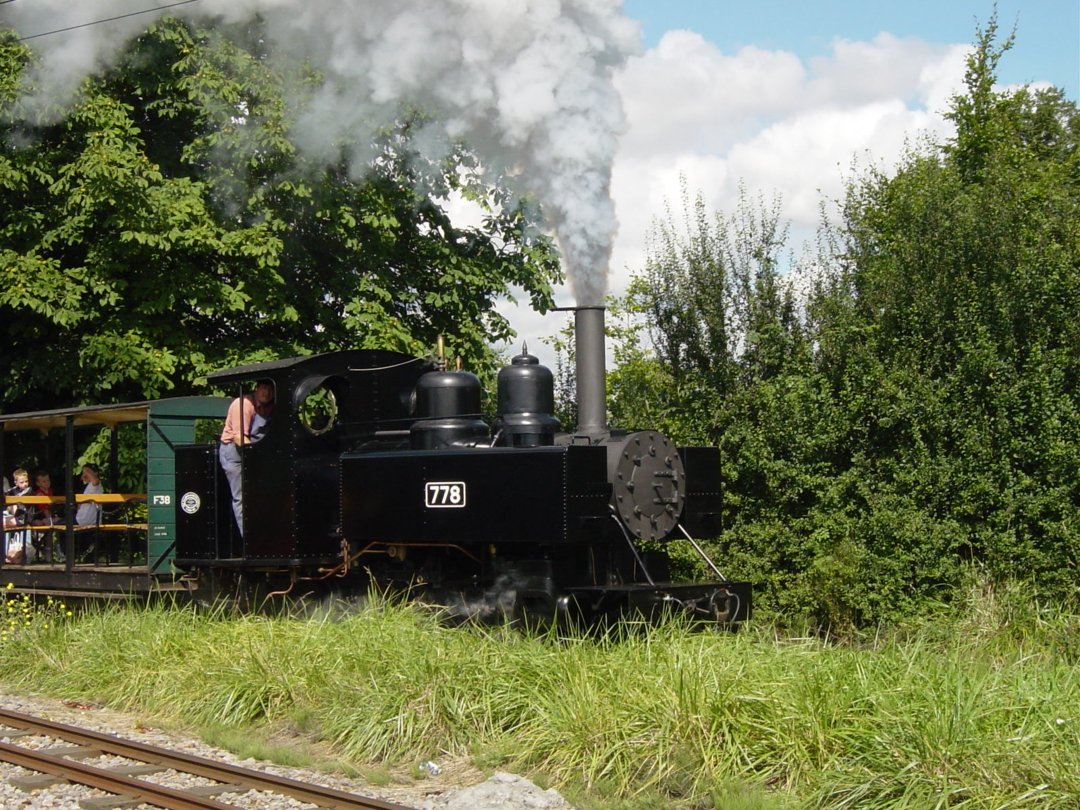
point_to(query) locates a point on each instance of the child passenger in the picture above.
(17, 543)
(89, 513)
(42, 515)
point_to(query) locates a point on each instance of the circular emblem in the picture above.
(190, 502)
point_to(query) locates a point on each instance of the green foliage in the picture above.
(921, 409)
(964, 267)
(166, 226)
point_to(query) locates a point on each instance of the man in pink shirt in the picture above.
(245, 423)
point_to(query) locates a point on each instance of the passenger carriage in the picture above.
(131, 548)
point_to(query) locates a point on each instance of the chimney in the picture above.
(589, 370)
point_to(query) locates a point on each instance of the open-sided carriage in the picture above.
(130, 548)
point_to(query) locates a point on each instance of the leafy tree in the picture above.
(717, 314)
(728, 365)
(166, 226)
(962, 272)
(919, 411)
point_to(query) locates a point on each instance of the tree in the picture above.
(917, 412)
(166, 226)
(716, 311)
(961, 271)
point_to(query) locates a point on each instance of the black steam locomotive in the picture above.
(377, 467)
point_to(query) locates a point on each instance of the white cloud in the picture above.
(857, 73)
(686, 94)
(806, 156)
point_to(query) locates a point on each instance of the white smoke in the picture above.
(528, 84)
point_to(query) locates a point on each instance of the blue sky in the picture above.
(1047, 45)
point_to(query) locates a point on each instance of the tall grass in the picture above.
(977, 708)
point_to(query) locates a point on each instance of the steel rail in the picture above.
(229, 775)
(123, 786)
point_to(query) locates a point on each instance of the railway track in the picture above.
(63, 763)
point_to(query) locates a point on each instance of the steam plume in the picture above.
(527, 83)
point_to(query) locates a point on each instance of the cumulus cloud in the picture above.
(687, 94)
(857, 73)
(769, 121)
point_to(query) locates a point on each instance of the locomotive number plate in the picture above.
(444, 494)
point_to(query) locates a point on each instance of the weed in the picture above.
(19, 612)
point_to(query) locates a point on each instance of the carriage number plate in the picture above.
(444, 494)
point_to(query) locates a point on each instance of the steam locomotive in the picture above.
(377, 468)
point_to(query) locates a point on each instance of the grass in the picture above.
(975, 708)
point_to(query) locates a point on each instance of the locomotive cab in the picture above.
(323, 404)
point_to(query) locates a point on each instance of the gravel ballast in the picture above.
(451, 786)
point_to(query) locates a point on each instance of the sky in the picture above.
(783, 95)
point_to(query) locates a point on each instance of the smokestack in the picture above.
(589, 369)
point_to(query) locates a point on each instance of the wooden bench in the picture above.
(61, 526)
(100, 497)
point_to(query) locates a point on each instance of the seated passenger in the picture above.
(41, 515)
(16, 543)
(89, 513)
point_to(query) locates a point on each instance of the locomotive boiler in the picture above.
(379, 468)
